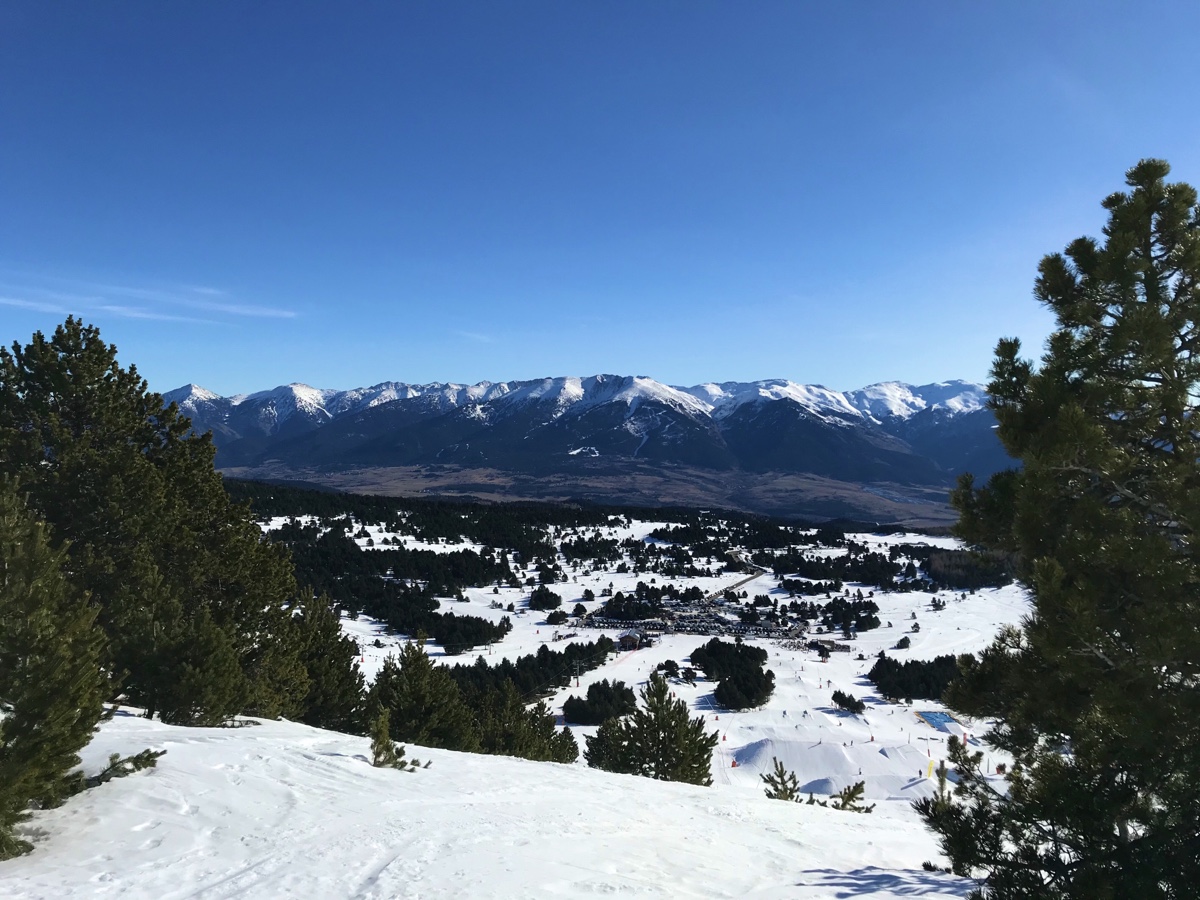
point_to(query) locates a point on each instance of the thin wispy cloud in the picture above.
(35, 305)
(196, 298)
(476, 337)
(246, 309)
(55, 294)
(133, 312)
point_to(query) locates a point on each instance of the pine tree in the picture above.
(207, 682)
(386, 753)
(153, 536)
(657, 741)
(425, 704)
(122, 766)
(277, 670)
(850, 799)
(51, 684)
(383, 748)
(335, 692)
(781, 783)
(1097, 695)
(609, 748)
(508, 727)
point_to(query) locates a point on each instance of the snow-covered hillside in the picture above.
(285, 811)
(282, 810)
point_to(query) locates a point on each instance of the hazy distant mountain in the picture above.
(604, 428)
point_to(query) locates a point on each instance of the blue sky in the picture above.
(243, 195)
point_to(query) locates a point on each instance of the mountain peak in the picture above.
(894, 398)
(190, 392)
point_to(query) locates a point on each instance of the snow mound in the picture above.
(892, 773)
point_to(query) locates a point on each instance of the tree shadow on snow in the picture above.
(869, 882)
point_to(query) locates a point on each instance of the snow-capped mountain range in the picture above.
(877, 402)
(609, 426)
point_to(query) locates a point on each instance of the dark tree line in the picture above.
(810, 588)
(968, 570)
(537, 674)
(520, 526)
(646, 601)
(629, 608)
(424, 704)
(669, 560)
(913, 679)
(605, 700)
(839, 612)
(591, 549)
(859, 565)
(712, 534)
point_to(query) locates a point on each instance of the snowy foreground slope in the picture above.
(284, 810)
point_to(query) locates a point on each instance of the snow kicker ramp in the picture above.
(826, 767)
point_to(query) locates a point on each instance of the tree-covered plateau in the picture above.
(398, 586)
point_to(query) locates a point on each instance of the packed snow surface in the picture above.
(285, 811)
